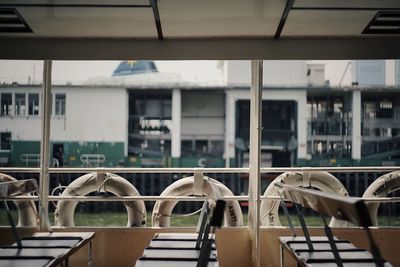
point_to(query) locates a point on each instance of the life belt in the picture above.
(105, 182)
(324, 181)
(185, 187)
(27, 214)
(381, 187)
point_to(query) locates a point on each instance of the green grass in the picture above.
(116, 219)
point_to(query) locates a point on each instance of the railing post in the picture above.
(45, 149)
(254, 164)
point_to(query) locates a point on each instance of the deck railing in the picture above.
(239, 174)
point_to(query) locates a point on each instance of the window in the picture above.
(150, 123)
(33, 101)
(6, 104)
(20, 105)
(385, 109)
(378, 109)
(5, 143)
(60, 104)
(369, 110)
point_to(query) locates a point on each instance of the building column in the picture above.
(176, 124)
(356, 126)
(230, 125)
(302, 126)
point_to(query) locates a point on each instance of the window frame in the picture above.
(29, 105)
(56, 105)
(10, 109)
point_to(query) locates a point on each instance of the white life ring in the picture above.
(109, 182)
(381, 187)
(324, 181)
(27, 214)
(185, 187)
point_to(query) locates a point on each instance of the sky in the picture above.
(80, 71)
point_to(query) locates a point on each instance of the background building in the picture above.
(142, 117)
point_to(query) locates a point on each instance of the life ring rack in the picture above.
(105, 182)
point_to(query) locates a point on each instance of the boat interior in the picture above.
(253, 30)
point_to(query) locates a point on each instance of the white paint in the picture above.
(230, 115)
(92, 114)
(299, 96)
(397, 71)
(176, 124)
(356, 127)
(276, 73)
(390, 72)
(302, 125)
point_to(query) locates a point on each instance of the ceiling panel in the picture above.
(348, 3)
(223, 18)
(89, 22)
(326, 23)
(74, 2)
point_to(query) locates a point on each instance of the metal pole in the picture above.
(255, 151)
(45, 149)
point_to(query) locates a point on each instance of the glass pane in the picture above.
(6, 104)
(33, 100)
(20, 104)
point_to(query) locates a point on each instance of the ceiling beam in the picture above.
(192, 49)
(285, 14)
(157, 19)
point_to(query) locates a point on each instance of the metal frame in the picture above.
(288, 7)
(45, 148)
(255, 159)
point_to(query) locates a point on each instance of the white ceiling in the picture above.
(326, 23)
(195, 18)
(90, 22)
(220, 18)
(219, 28)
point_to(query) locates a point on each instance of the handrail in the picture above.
(205, 170)
(180, 198)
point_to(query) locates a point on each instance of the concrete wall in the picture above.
(92, 114)
(369, 72)
(203, 114)
(276, 73)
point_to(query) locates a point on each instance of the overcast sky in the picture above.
(81, 71)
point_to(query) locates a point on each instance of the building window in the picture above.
(20, 104)
(202, 148)
(6, 104)
(369, 110)
(5, 144)
(378, 109)
(150, 124)
(60, 104)
(385, 109)
(33, 101)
